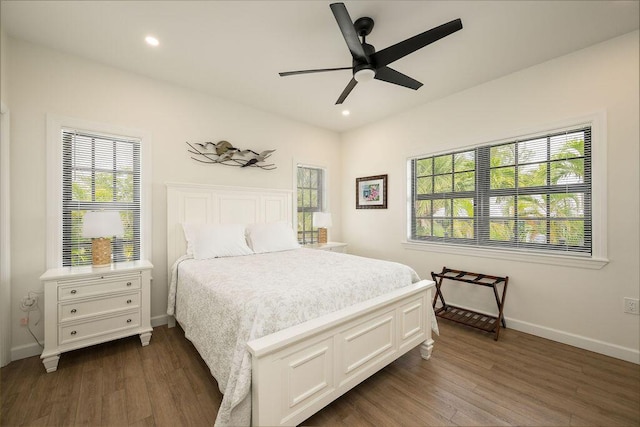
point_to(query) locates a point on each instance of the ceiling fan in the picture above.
(369, 64)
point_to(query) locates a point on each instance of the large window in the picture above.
(99, 172)
(529, 194)
(311, 196)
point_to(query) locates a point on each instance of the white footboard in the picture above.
(300, 370)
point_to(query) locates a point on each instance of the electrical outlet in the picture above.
(631, 305)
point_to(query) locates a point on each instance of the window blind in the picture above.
(99, 172)
(526, 194)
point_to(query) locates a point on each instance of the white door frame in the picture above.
(5, 239)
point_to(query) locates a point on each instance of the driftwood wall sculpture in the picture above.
(226, 154)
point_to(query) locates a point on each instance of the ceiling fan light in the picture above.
(364, 75)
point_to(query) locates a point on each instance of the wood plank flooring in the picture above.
(470, 380)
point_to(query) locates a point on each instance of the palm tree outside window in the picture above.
(529, 194)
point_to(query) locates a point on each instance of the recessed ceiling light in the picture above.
(345, 112)
(152, 40)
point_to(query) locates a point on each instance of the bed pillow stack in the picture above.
(214, 241)
(224, 240)
(271, 237)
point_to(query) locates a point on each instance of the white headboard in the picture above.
(214, 204)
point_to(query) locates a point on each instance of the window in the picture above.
(311, 196)
(82, 156)
(99, 172)
(526, 194)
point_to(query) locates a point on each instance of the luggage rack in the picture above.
(465, 316)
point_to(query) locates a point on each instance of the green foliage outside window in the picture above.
(532, 193)
(310, 192)
(99, 174)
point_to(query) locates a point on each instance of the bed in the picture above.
(278, 363)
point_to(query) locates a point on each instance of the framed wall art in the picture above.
(371, 192)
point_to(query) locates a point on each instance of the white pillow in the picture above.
(213, 241)
(271, 237)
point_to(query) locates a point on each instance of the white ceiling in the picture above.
(235, 49)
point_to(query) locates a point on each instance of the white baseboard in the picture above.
(24, 351)
(608, 349)
(163, 319)
(601, 347)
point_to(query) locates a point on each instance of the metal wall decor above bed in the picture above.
(222, 152)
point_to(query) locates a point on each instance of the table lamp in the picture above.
(100, 227)
(322, 220)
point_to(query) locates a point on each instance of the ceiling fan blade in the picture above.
(347, 90)
(399, 50)
(390, 75)
(319, 70)
(348, 31)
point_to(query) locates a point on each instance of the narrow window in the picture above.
(311, 196)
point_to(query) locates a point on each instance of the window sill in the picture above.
(540, 258)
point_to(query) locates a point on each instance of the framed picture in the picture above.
(371, 192)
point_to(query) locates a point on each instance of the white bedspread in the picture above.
(223, 303)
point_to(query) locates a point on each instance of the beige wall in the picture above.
(50, 82)
(577, 306)
(3, 67)
(581, 307)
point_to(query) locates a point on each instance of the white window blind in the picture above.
(99, 172)
(528, 194)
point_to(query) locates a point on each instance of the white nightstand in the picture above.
(329, 246)
(84, 306)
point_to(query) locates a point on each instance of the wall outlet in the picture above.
(632, 305)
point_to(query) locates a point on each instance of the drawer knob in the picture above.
(128, 320)
(73, 291)
(73, 311)
(73, 332)
(128, 283)
(128, 301)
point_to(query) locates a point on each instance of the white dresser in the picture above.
(84, 306)
(329, 246)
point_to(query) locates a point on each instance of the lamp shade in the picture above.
(102, 224)
(322, 219)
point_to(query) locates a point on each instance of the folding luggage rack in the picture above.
(465, 316)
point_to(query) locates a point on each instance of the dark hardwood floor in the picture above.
(470, 380)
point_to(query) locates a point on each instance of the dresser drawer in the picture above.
(69, 333)
(97, 287)
(80, 309)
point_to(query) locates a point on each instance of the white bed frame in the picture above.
(299, 370)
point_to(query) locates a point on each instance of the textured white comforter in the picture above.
(223, 303)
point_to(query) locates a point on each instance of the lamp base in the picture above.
(322, 235)
(101, 252)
